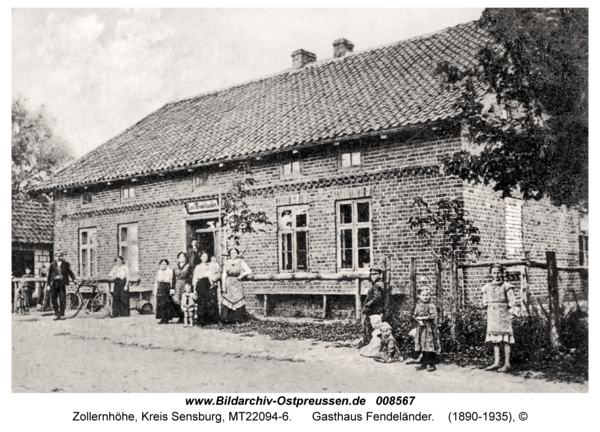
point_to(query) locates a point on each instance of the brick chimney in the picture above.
(301, 58)
(341, 47)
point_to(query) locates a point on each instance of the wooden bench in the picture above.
(305, 276)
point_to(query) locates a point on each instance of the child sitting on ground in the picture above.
(427, 340)
(188, 306)
(372, 349)
(388, 348)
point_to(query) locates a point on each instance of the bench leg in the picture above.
(265, 305)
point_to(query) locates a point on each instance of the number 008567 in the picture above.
(395, 400)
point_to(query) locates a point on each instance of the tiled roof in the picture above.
(32, 221)
(374, 90)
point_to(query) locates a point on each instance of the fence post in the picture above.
(413, 279)
(387, 266)
(525, 283)
(439, 293)
(357, 301)
(553, 300)
(453, 295)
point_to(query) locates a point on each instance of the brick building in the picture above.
(338, 148)
(32, 230)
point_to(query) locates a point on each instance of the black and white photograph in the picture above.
(294, 201)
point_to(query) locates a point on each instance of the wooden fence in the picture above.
(549, 265)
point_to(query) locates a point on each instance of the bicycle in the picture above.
(100, 305)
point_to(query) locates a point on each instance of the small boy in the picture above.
(188, 305)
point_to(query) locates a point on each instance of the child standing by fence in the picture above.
(499, 300)
(427, 340)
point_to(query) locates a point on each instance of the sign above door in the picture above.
(202, 206)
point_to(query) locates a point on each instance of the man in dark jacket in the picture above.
(58, 279)
(373, 303)
(193, 258)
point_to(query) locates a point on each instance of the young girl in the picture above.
(499, 299)
(427, 340)
(372, 349)
(388, 348)
(22, 299)
(188, 305)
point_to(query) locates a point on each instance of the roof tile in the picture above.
(365, 91)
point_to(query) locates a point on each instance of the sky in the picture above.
(99, 71)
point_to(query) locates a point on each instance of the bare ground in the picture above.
(134, 354)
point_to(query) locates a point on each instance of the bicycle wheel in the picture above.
(73, 304)
(101, 305)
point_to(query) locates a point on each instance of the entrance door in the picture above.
(22, 260)
(206, 242)
(207, 234)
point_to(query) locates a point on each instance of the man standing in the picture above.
(193, 258)
(58, 279)
(373, 303)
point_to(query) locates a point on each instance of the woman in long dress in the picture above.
(181, 275)
(233, 301)
(120, 274)
(205, 282)
(165, 306)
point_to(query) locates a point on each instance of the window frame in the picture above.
(120, 244)
(584, 255)
(351, 167)
(91, 195)
(293, 230)
(206, 180)
(129, 188)
(355, 226)
(88, 247)
(292, 174)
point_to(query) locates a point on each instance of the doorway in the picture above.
(206, 232)
(22, 260)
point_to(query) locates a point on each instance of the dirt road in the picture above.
(135, 354)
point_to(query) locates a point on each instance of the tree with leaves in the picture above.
(525, 105)
(236, 216)
(36, 151)
(447, 230)
(450, 236)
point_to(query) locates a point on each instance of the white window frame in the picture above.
(295, 168)
(127, 192)
(293, 230)
(354, 226)
(91, 265)
(130, 242)
(355, 158)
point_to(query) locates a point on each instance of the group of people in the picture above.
(379, 343)
(190, 291)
